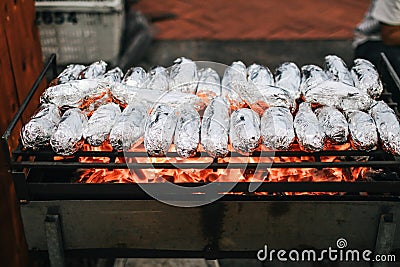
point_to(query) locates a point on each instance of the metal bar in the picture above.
(213, 165)
(51, 63)
(48, 191)
(290, 153)
(54, 240)
(391, 71)
(385, 238)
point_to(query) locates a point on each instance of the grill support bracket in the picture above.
(54, 240)
(385, 237)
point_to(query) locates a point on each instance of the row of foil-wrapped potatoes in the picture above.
(195, 109)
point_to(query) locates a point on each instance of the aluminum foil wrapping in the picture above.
(233, 83)
(112, 76)
(92, 106)
(135, 77)
(277, 128)
(366, 77)
(122, 93)
(337, 70)
(183, 75)
(157, 79)
(244, 131)
(68, 137)
(388, 126)
(334, 124)
(42, 125)
(269, 96)
(338, 95)
(215, 128)
(125, 94)
(288, 77)
(259, 76)
(310, 134)
(101, 123)
(159, 130)
(70, 73)
(94, 70)
(187, 132)
(75, 93)
(209, 85)
(363, 134)
(312, 75)
(128, 130)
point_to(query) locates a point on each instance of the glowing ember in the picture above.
(222, 175)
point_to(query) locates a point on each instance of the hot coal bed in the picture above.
(63, 214)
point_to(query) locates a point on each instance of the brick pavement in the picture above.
(254, 19)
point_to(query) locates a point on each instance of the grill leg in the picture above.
(54, 240)
(385, 238)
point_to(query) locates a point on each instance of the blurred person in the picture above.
(378, 32)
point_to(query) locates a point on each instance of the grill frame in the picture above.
(21, 166)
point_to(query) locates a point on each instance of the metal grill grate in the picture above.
(27, 164)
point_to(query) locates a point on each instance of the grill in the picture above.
(62, 216)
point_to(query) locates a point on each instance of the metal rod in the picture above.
(80, 165)
(263, 154)
(76, 191)
(391, 70)
(50, 64)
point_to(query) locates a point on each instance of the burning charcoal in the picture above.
(75, 93)
(94, 70)
(362, 128)
(334, 124)
(38, 131)
(187, 132)
(101, 123)
(288, 77)
(209, 85)
(338, 95)
(234, 83)
(310, 134)
(215, 128)
(157, 79)
(125, 94)
(337, 70)
(135, 77)
(312, 76)
(129, 127)
(159, 130)
(277, 128)
(244, 130)
(70, 73)
(388, 126)
(183, 75)
(68, 137)
(259, 76)
(366, 77)
(112, 76)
